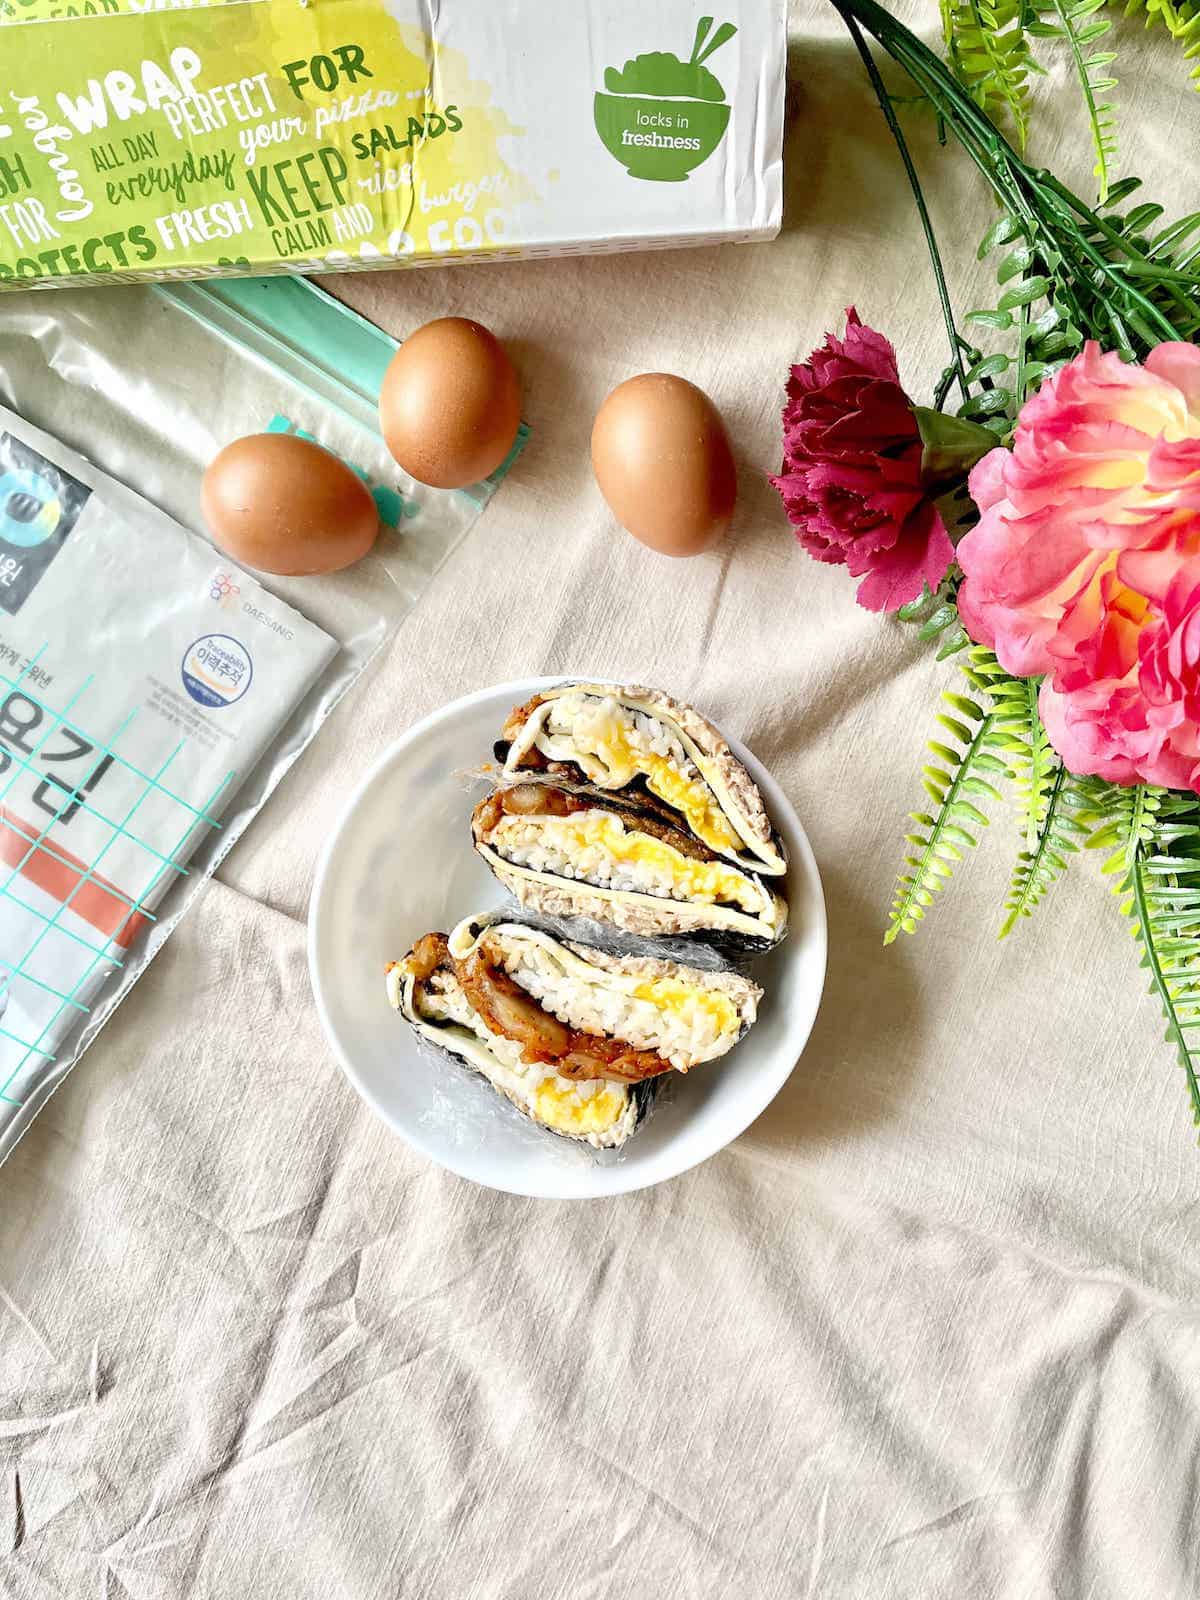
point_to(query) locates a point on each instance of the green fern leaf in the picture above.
(1070, 25)
(1027, 750)
(1122, 821)
(1165, 901)
(1154, 844)
(1058, 838)
(989, 53)
(1169, 244)
(1049, 800)
(959, 777)
(936, 617)
(1181, 19)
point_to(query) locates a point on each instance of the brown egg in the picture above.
(285, 505)
(450, 405)
(662, 459)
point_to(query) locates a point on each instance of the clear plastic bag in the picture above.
(142, 386)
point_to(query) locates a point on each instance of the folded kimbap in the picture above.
(572, 850)
(575, 1037)
(655, 751)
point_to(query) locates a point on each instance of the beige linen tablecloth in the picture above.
(928, 1329)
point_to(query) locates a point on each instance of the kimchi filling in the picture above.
(545, 800)
(513, 1013)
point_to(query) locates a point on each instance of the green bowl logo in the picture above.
(661, 117)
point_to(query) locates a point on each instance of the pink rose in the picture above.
(852, 470)
(1085, 565)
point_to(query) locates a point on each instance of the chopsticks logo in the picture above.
(662, 117)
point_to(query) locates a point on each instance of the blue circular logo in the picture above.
(30, 510)
(216, 670)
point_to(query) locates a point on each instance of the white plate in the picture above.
(400, 863)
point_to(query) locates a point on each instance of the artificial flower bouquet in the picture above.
(1039, 521)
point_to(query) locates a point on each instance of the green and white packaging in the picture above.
(274, 135)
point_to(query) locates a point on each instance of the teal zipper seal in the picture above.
(316, 341)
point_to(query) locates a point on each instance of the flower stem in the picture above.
(1135, 264)
(1061, 228)
(889, 114)
(1022, 383)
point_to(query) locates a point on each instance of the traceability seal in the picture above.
(217, 670)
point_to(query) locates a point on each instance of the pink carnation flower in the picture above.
(851, 478)
(1085, 565)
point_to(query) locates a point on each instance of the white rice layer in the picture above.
(596, 847)
(685, 1017)
(580, 728)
